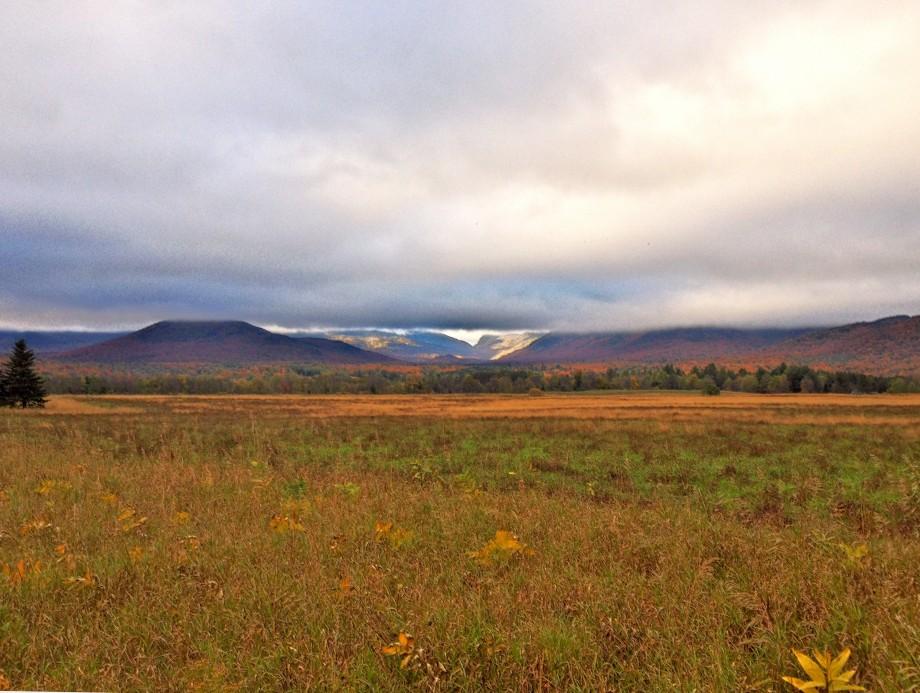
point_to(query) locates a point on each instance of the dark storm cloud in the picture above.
(481, 165)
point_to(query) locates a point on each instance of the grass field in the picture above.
(664, 542)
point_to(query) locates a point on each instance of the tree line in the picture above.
(710, 379)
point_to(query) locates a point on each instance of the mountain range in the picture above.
(887, 346)
(225, 342)
(425, 346)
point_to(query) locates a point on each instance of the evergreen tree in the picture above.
(22, 385)
(5, 400)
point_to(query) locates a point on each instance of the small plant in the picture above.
(423, 471)
(50, 486)
(397, 536)
(108, 498)
(296, 507)
(349, 489)
(503, 546)
(382, 530)
(17, 574)
(403, 647)
(855, 553)
(33, 527)
(345, 586)
(283, 524)
(128, 521)
(824, 673)
(468, 483)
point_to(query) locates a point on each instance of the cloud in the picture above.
(499, 166)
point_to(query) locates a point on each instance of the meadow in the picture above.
(642, 541)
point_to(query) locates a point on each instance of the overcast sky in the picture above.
(469, 165)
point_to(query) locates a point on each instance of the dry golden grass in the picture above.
(797, 408)
(660, 542)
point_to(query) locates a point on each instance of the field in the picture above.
(663, 542)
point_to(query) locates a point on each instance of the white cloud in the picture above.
(407, 164)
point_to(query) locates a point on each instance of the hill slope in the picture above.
(681, 344)
(887, 346)
(227, 342)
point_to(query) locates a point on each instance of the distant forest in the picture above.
(710, 379)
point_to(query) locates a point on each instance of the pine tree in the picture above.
(5, 400)
(22, 386)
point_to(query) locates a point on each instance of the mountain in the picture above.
(224, 342)
(418, 346)
(887, 346)
(51, 342)
(680, 344)
(492, 347)
(423, 346)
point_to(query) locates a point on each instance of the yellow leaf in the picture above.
(801, 684)
(283, 523)
(839, 662)
(856, 552)
(128, 523)
(382, 529)
(814, 671)
(824, 671)
(404, 645)
(823, 659)
(504, 545)
(49, 485)
(181, 517)
(109, 497)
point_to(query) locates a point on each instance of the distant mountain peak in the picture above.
(218, 341)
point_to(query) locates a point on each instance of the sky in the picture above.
(470, 166)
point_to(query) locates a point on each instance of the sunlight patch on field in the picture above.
(665, 407)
